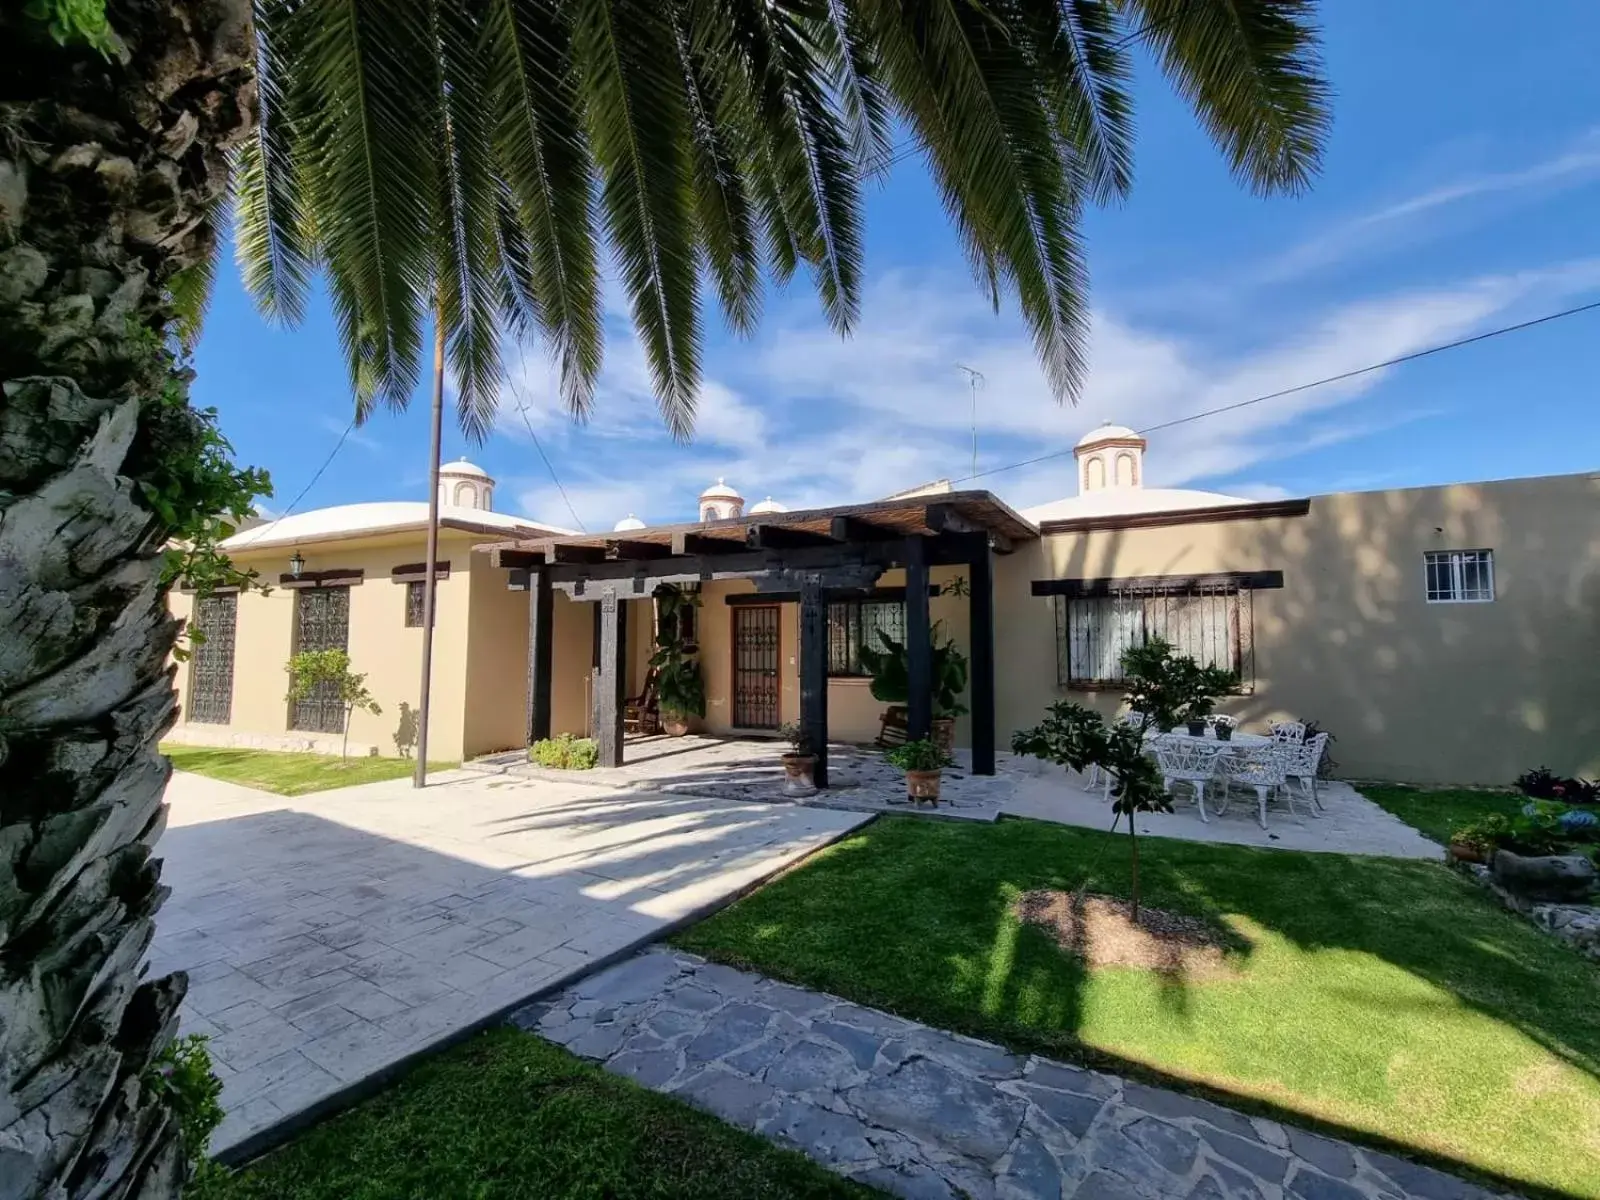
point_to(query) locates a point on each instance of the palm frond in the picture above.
(971, 85)
(852, 59)
(813, 172)
(371, 173)
(546, 213)
(717, 96)
(466, 247)
(269, 233)
(640, 131)
(190, 293)
(1252, 71)
(1086, 75)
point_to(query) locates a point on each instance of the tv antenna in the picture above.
(975, 380)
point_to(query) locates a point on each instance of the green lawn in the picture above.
(1387, 999)
(507, 1115)
(289, 774)
(1440, 813)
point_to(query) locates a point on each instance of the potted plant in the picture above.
(1474, 843)
(923, 761)
(1223, 730)
(1197, 715)
(891, 680)
(799, 761)
(680, 692)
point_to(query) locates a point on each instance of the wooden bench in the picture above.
(895, 728)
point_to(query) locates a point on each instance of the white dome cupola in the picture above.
(719, 502)
(767, 507)
(1111, 456)
(465, 485)
(627, 524)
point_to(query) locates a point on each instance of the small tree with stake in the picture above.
(1162, 687)
(312, 669)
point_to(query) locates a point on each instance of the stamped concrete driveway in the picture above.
(330, 937)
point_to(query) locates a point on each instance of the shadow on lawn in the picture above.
(917, 917)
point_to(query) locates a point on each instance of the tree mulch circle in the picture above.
(1100, 930)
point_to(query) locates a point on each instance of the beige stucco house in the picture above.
(1442, 634)
(350, 577)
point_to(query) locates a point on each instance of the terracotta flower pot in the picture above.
(1466, 852)
(674, 724)
(798, 777)
(923, 785)
(944, 734)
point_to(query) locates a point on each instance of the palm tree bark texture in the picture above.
(111, 167)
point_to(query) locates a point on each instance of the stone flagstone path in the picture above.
(922, 1113)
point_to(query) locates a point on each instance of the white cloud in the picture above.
(356, 437)
(812, 419)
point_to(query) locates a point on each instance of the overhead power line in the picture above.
(312, 482)
(522, 407)
(1501, 331)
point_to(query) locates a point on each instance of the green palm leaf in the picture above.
(640, 130)
(1252, 72)
(547, 172)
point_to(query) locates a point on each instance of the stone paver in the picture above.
(923, 1113)
(329, 936)
(860, 781)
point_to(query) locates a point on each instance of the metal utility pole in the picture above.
(419, 775)
(974, 379)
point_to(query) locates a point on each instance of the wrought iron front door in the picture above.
(322, 617)
(211, 667)
(755, 666)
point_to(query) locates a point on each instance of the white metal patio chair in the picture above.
(1304, 760)
(1263, 768)
(1191, 761)
(1102, 779)
(1293, 732)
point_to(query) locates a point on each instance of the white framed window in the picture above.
(1458, 576)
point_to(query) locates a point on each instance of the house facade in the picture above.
(350, 578)
(1439, 633)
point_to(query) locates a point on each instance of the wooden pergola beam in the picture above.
(854, 529)
(515, 560)
(945, 518)
(699, 543)
(629, 551)
(557, 552)
(782, 537)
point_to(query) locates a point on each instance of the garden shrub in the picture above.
(564, 752)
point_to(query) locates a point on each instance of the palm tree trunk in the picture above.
(109, 170)
(419, 774)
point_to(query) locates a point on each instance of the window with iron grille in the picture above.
(1459, 576)
(322, 622)
(856, 623)
(1210, 623)
(211, 666)
(414, 598)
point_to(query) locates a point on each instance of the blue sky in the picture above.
(1460, 191)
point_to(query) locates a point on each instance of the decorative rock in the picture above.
(1552, 877)
(1313, 1185)
(1167, 1144)
(1029, 1173)
(638, 978)
(930, 1101)
(1252, 1156)
(827, 1137)
(1330, 1157)
(735, 1026)
(812, 1066)
(1177, 1104)
(862, 1046)
(1063, 1078)
(1072, 1112)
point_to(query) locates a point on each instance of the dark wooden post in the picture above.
(541, 613)
(814, 672)
(980, 638)
(919, 643)
(608, 691)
